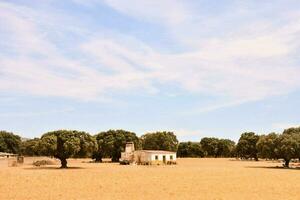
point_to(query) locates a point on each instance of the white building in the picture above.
(148, 157)
(7, 155)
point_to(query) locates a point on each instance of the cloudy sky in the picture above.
(199, 68)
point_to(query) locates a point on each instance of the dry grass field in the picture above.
(190, 179)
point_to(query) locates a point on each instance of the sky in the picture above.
(198, 68)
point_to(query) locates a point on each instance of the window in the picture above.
(156, 157)
(171, 157)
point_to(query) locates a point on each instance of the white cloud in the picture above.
(41, 76)
(250, 64)
(36, 114)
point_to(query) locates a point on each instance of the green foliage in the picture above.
(209, 146)
(190, 149)
(267, 146)
(246, 147)
(9, 142)
(88, 145)
(31, 147)
(214, 147)
(111, 143)
(160, 141)
(284, 146)
(225, 148)
(63, 144)
(288, 147)
(293, 130)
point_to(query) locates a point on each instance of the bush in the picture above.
(39, 163)
(171, 162)
(124, 162)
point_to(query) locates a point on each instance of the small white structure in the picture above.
(7, 155)
(147, 157)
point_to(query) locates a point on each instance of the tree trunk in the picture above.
(63, 163)
(98, 159)
(115, 159)
(287, 163)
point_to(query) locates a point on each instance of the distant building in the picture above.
(147, 157)
(7, 155)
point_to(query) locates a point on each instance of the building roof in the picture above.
(157, 151)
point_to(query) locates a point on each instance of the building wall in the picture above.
(149, 157)
(160, 157)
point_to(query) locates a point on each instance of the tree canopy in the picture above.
(209, 146)
(190, 149)
(63, 144)
(30, 147)
(246, 146)
(288, 147)
(112, 142)
(160, 141)
(292, 130)
(225, 148)
(9, 142)
(215, 147)
(267, 146)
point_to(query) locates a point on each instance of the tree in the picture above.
(189, 149)
(160, 141)
(63, 144)
(225, 148)
(209, 146)
(293, 130)
(9, 142)
(288, 147)
(111, 143)
(267, 145)
(87, 145)
(215, 147)
(30, 147)
(246, 147)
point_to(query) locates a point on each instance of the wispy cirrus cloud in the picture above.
(241, 65)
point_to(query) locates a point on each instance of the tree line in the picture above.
(64, 144)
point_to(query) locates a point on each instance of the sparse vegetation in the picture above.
(39, 163)
(64, 144)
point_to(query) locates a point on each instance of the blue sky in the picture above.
(198, 68)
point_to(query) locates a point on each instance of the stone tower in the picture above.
(129, 147)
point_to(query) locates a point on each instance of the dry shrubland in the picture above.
(190, 179)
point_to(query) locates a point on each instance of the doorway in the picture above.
(164, 158)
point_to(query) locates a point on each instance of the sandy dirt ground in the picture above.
(190, 179)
